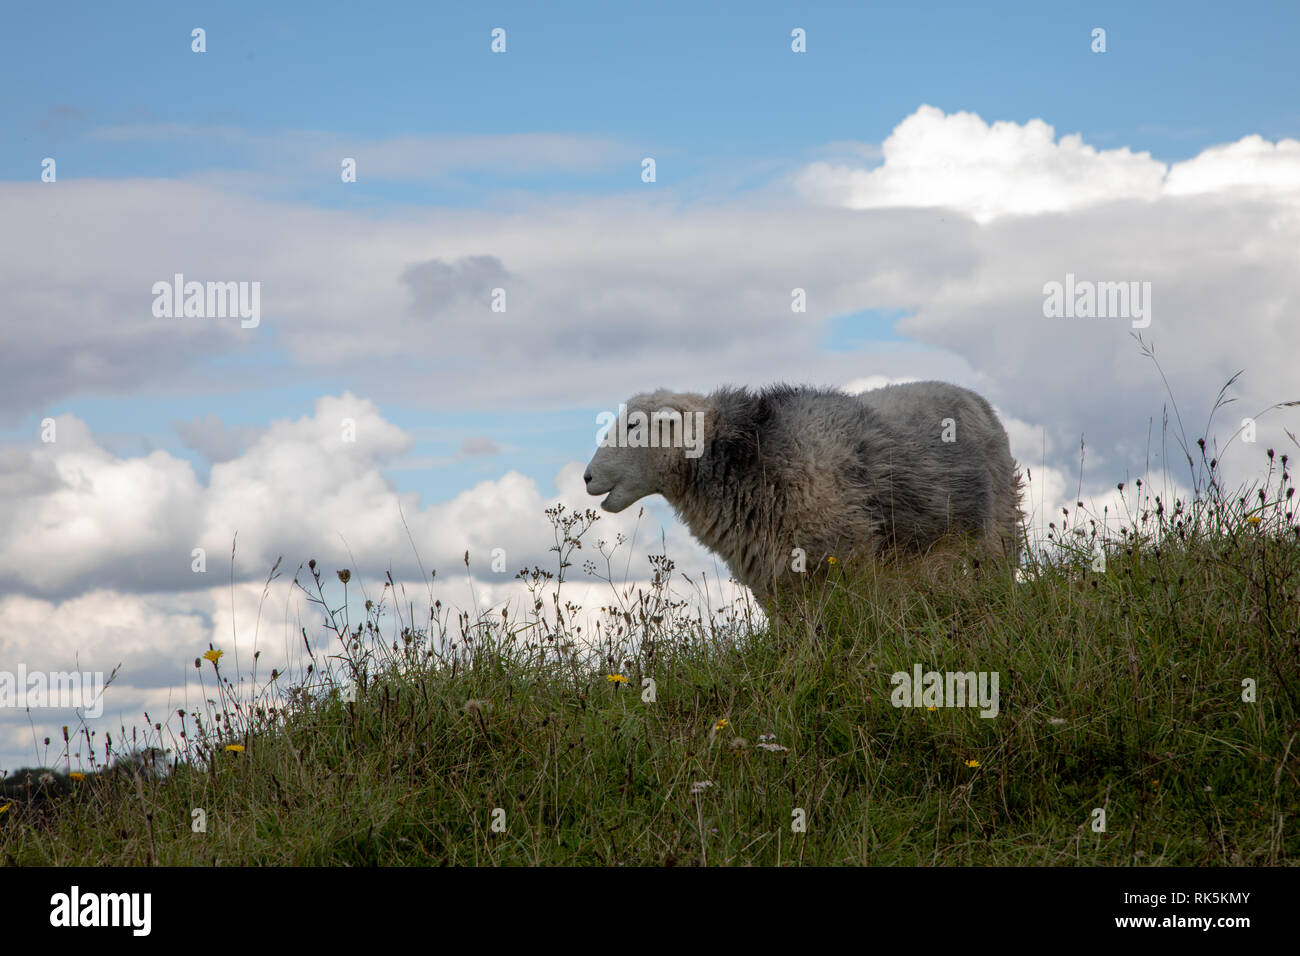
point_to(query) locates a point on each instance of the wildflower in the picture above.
(932, 708)
(972, 763)
(773, 748)
(722, 722)
(5, 807)
(1254, 519)
(345, 575)
(1056, 721)
(831, 559)
(235, 748)
(616, 678)
(739, 743)
(211, 655)
(699, 786)
(76, 775)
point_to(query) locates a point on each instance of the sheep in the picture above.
(782, 479)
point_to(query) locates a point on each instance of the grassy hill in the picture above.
(1160, 686)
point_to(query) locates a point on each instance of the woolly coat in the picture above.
(844, 476)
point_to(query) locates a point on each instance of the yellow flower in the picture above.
(213, 656)
(235, 748)
(616, 678)
(5, 807)
(972, 763)
(932, 708)
(75, 775)
(721, 723)
(1254, 519)
(831, 559)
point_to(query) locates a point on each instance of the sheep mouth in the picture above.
(595, 491)
(613, 503)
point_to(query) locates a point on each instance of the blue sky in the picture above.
(899, 172)
(713, 81)
(710, 79)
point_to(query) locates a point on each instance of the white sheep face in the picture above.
(641, 447)
(627, 474)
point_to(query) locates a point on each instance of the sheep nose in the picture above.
(587, 477)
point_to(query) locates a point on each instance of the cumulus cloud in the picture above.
(149, 634)
(958, 161)
(87, 517)
(80, 518)
(1252, 164)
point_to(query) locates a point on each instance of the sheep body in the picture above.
(836, 475)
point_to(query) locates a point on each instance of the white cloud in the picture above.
(958, 161)
(84, 508)
(639, 292)
(680, 297)
(1029, 442)
(302, 490)
(1252, 164)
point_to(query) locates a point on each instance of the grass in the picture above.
(492, 741)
